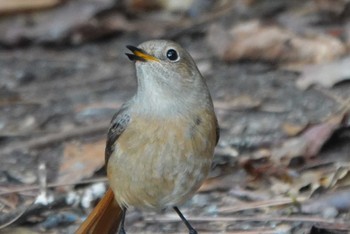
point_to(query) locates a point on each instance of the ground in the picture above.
(58, 94)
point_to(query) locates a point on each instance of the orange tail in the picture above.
(105, 218)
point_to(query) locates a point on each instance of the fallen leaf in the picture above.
(81, 161)
(341, 177)
(309, 181)
(242, 102)
(13, 6)
(325, 75)
(317, 135)
(264, 168)
(255, 41)
(340, 200)
(51, 26)
(309, 143)
(142, 5)
(220, 183)
(292, 129)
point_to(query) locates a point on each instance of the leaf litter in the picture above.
(292, 180)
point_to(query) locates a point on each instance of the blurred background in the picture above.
(279, 75)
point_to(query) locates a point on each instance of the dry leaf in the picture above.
(309, 143)
(309, 181)
(242, 102)
(254, 41)
(341, 177)
(142, 5)
(340, 200)
(54, 25)
(292, 129)
(220, 183)
(13, 6)
(261, 168)
(325, 75)
(81, 161)
(321, 176)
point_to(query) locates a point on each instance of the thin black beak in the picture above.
(139, 55)
(133, 56)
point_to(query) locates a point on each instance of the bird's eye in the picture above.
(172, 55)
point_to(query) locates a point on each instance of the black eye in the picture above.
(172, 55)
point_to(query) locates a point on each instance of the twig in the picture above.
(255, 231)
(21, 214)
(339, 223)
(261, 204)
(12, 219)
(52, 185)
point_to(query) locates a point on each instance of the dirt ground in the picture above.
(58, 94)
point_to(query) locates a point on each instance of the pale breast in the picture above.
(161, 162)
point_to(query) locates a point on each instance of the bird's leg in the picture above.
(188, 225)
(122, 229)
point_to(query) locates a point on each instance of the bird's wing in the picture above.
(118, 124)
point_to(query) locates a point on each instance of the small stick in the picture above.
(52, 185)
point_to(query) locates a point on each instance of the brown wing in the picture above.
(118, 124)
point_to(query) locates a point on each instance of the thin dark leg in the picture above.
(188, 225)
(122, 230)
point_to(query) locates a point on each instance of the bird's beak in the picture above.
(139, 55)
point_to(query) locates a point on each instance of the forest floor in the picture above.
(277, 72)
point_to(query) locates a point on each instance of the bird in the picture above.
(160, 144)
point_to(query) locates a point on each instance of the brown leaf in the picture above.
(309, 143)
(341, 177)
(254, 41)
(54, 25)
(81, 161)
(316, 136)
(325, 75)
(220, 183)
(242, 102)
(292, 129)
(13, 6)
(264, 167)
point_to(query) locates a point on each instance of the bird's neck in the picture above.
(158, 104)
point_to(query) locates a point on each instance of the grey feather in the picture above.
(118, 124)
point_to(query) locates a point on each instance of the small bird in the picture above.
(160, 144)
